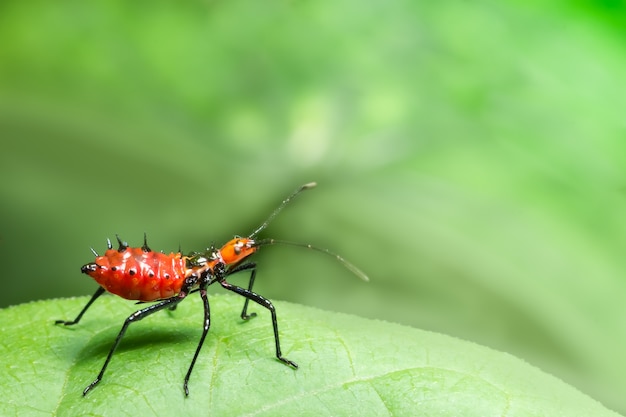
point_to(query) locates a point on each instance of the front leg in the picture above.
(244, 267)
(259, 299)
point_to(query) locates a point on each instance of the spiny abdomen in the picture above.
(138, 274)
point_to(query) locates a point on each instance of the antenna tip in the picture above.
(309, 185)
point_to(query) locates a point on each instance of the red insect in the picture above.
(143, 275)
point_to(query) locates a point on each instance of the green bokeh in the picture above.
(470, 157)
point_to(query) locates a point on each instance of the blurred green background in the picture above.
(470, 157)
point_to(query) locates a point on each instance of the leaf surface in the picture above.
(348, 366)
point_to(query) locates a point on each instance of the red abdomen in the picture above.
(137, 274)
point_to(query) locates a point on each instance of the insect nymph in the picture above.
(166, 279)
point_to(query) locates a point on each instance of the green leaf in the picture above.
(348, 366)
(479, 145)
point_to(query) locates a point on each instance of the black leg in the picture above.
(97, 294)
(136, 316)
(259, 299)
(205, 330)
(245, 267)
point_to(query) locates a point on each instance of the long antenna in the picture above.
(279, 208)
(356, 271)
